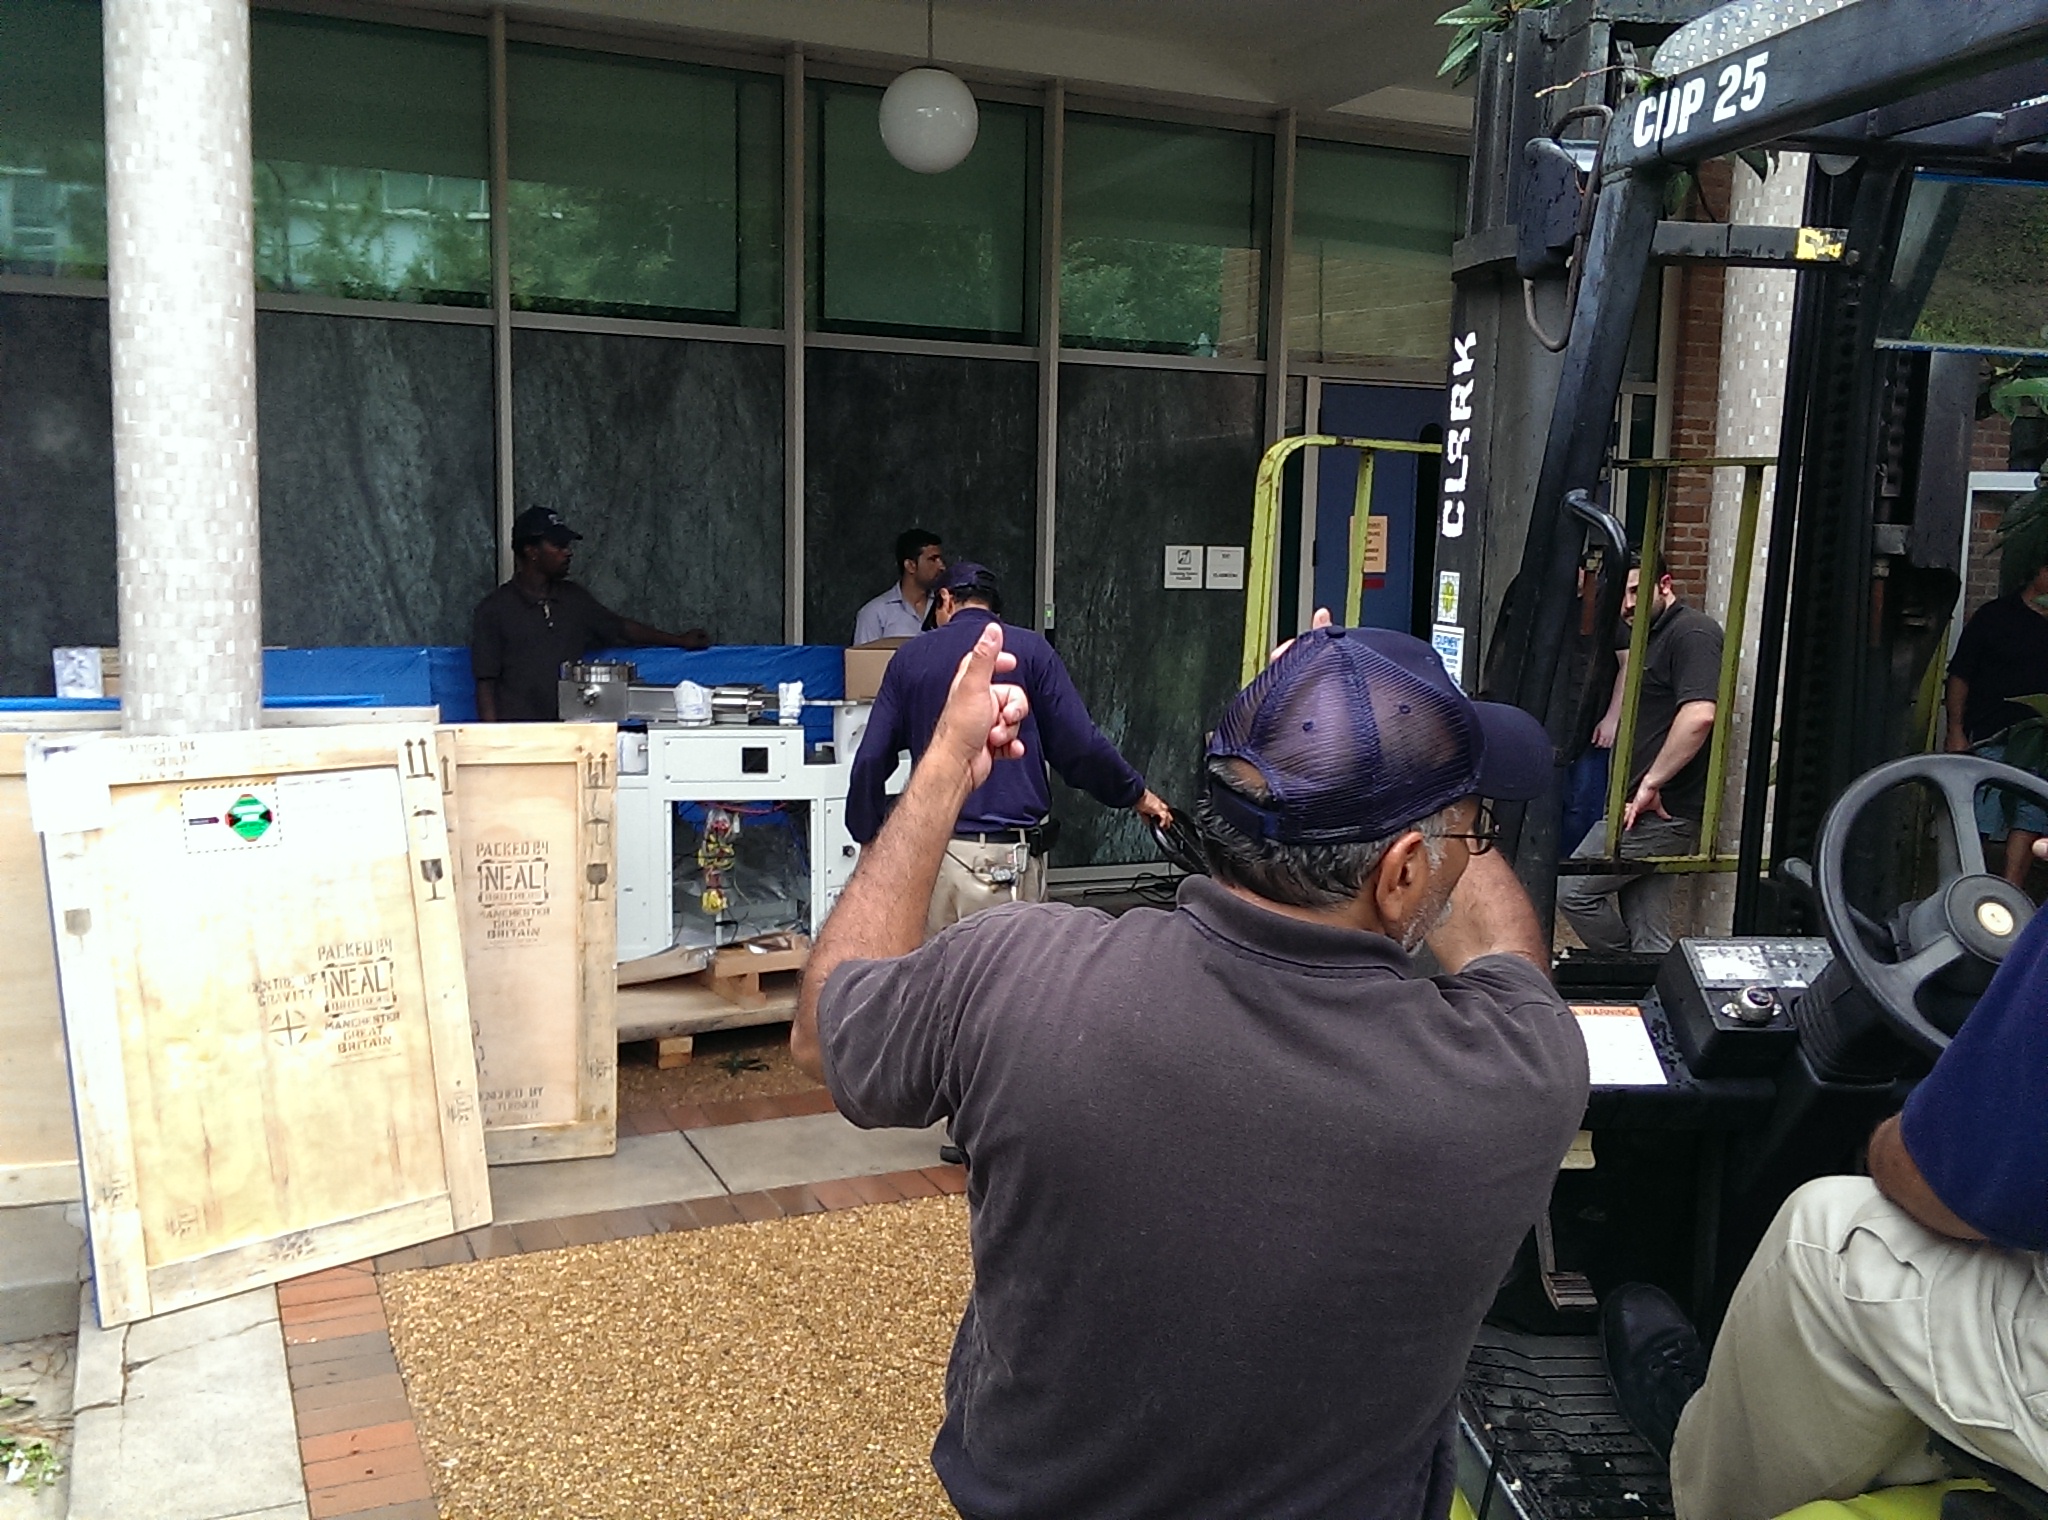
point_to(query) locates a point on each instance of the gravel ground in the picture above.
(792, 1368)
(728, 1063)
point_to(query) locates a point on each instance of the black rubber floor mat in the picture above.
(1547, 1412)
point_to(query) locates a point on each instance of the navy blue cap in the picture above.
(542, 522)
(1359, 733)
(965, 578)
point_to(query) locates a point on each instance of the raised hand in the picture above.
(983, 717)
(1320, 620)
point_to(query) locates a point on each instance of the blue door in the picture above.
(1403, 492)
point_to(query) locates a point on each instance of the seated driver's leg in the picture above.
(1853, 1330)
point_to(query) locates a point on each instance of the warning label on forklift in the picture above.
(1447, 582)
(1448, 640)
(1618, 1048)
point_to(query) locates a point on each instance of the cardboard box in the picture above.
(87, 670)
(864, 666)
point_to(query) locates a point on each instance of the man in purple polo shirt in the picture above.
(991, 859)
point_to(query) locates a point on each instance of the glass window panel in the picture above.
(1970, 272)
(1370, 269)
(643, 188)
(1163, 237)
(53, 197)
(922, 254)
(372, 160)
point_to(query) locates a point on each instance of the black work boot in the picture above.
(1654, 1357)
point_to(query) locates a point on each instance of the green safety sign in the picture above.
(250, 817)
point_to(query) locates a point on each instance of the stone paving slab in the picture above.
(203, 1427)
(816, 1148)
(647, 1169)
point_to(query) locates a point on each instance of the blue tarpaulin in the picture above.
(821, 667)
(113, 704)
(438, 676)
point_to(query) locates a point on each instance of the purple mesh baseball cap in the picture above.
(1359, 733)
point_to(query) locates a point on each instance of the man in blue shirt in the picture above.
(899, 612)
(990, 860)
(1878, 1308)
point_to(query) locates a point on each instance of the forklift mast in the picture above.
(1576, 144)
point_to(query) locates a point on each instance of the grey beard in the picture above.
(1424, 925)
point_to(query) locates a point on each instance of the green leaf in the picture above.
(2038, 703)
(1761, 161)
(2007, 395)
(1677, 190)
(1475, 11)
(1464, 49)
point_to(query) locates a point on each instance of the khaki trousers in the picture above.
(970, 879)
(1854, 1332)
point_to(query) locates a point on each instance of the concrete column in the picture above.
(1756, 333)
(183, 317)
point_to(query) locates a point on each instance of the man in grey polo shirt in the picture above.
(1242, 1181)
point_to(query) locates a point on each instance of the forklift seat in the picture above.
(1924, 1501)
(2023, 1501)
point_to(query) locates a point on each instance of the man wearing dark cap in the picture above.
(991, 858)
(525, 631)
(1242, 1181)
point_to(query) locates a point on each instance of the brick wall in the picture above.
(1989, 449)
(1695, 401)
(1991, 445)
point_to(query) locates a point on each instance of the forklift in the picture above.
(1866, 918)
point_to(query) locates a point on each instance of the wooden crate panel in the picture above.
(38, 1139)
(530, 809)
(38, 1135)
(260, 959)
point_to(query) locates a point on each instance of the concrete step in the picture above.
(42, 1262)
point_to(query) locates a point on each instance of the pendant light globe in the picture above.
(929, 120)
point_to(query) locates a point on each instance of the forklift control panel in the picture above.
(1730, 1000)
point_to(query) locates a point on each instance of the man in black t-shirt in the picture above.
(526, 630)
(1617, 914)
(2002, 654)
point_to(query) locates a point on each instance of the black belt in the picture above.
(1040, 837)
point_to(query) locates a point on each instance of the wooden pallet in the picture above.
(674, 997)
(736, 973)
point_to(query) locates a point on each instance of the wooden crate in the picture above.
(38, 1140)
(260, 957)
(530, 810)
(38, 1135)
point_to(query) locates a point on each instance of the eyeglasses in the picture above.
(1484, 833)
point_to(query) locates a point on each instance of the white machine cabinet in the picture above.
(726, 764)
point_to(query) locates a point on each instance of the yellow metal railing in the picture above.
(1659, 471)
(1262, 579)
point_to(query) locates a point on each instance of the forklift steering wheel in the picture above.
(1973, 914)
(1180, 844)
